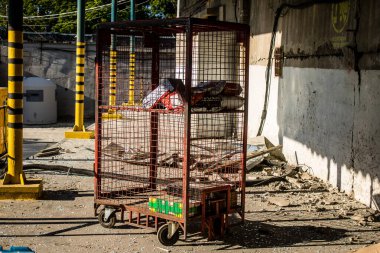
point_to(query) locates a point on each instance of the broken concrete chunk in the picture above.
(371, 249)
(267, 171)
(278, 201)
(290, 171)
(251, 163)
(315, 186)
(358, 217)
(295, 182)
(306, 176)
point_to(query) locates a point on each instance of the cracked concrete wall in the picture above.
(57, 63)
(324, 108)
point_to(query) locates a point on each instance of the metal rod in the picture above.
(245, 127)
(154, 118)
(15, 174)
(187, 126)
(98, 117)
(80, 61)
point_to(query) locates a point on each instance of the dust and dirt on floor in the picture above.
(287, 210)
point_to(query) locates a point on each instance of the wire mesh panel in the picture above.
(171, 116)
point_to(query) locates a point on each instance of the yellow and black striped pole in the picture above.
(113, 58)
(15, 174)
(79, 86)
(132, 61)
(112, 114)
(79, 130)
(112, 97)
(14, 185)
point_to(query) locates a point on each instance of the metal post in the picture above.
(154, 117)
(113, 55)
(79, 131)
(14, 185)
(80, 61)
(187, 130)
(132, 58)
(15, 174)
(112, 114)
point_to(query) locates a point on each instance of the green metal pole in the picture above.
(114, 10)
(15, 173)
(80, 20)
(113, 19)
(132, 14)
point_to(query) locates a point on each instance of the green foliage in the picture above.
(67, 23)
(162, 8)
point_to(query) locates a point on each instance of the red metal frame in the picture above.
(123, 183)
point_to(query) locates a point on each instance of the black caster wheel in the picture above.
(110, 223)
(162, 236)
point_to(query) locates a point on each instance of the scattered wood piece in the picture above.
(231, 164)
(133, 162)
(48, 152)
(114, 149)
(215, 177)
(202, 147)
(166, 250)
(50, 149)
(295, 182)
(262, 152)
(165, 158)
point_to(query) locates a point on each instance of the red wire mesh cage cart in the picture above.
(171, 125)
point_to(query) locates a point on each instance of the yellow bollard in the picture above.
(79, 131)
(14, 185)
(131, 98)
(111, 114)
(15, 174)
(112, 100)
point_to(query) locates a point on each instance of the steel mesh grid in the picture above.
(216, 56)
(141, 153)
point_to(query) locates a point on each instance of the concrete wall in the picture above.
(324, 109)
(57, 63)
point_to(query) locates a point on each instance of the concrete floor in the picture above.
(40, 137)
(63, 220)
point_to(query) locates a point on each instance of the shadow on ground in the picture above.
(261, 235)
(65, 194)
(33, 146)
